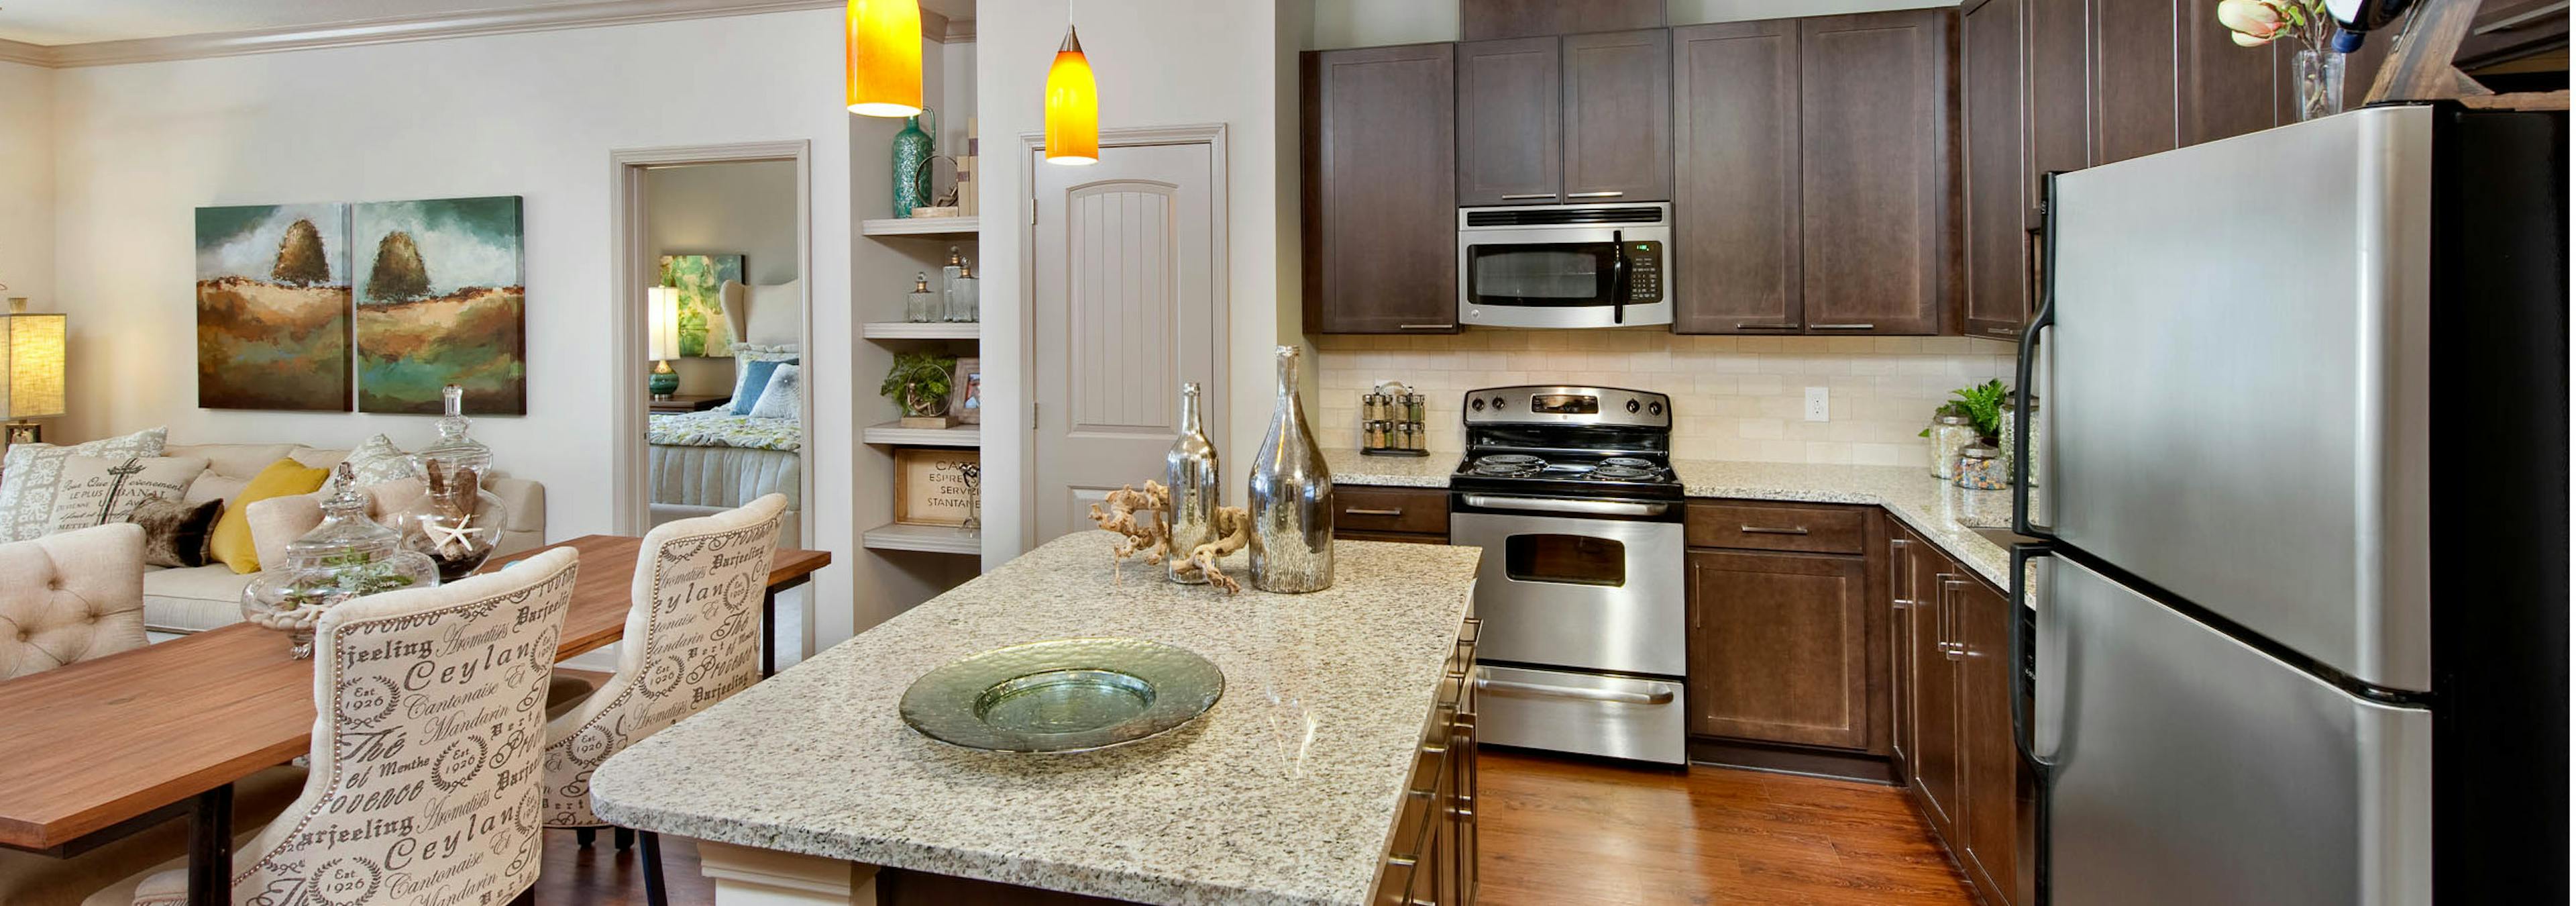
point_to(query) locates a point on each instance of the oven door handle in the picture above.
(1553, 505)
(1661, 696)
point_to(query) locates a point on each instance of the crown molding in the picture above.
(960, 31)
(395, 30)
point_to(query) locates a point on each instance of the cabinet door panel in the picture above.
(2060, 128)
(1509, 122)
(1380, 211)
(1991, 761)
(1878, 229)
(2132, 44)
(1901, 547)
(1780, 648)
(1992, 100)
(2221, 89)
(1618, 117)
(1935, 765)
(1735, 136)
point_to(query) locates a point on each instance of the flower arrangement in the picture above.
(2254, 23)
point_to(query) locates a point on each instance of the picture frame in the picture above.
(931, 485)
(966, 393)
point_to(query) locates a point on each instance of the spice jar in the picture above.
(1981, 468)
(1949, 433)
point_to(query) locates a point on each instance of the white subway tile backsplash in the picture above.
(1733, 397)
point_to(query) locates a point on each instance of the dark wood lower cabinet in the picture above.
(1992, 763)
(1781, 648)
(1966, 774)
(1933, 688)
(1431, 857)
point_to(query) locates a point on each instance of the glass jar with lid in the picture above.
(1949, 433)
(347, 556)
(1981, 468)
(455, 523)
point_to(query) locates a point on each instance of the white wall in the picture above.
(1371, 23)
(1159, 63)
(748, 209)
(138, 147)
(27, 184)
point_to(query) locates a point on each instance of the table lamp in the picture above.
(31, 354)
(662, 305)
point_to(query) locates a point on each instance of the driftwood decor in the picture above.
(1136, 516)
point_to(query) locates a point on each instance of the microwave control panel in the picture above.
(1645, 272)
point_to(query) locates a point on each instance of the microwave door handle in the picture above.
(1618, 279)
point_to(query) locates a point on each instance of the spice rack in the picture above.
(1391, 422)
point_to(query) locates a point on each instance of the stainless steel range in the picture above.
(1571, 493)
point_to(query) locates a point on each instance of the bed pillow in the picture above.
(783, 397)
(771, 314)
(751, 377)
(97, 490)
(31, 472)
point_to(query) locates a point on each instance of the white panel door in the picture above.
(1126, 313)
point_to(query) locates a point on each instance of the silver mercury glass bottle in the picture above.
(1198, 488)
(1291, 498)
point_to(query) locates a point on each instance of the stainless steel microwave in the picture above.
(1592, 265)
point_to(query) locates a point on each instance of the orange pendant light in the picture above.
(884, 57)
(1072, 106)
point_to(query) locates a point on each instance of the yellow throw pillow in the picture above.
(283, 478)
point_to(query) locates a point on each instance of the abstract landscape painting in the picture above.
(441, 300)
(273, 307)
(705, 328)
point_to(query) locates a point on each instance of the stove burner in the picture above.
(1509, 464)
(1614, 470)
(1628, 461)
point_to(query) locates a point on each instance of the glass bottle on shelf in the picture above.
(948, 276)
(455, 522)
(347, 556)
(962, 301)
(921, 306)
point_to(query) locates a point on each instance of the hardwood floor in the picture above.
(1564, 832)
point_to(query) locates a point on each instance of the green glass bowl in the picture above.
(1066, 695)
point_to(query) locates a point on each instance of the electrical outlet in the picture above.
(1818, 409)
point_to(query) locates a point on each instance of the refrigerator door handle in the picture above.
(2040, 736)
(2024, 367)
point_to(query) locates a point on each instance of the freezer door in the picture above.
(2239, 410)
(2188, 767)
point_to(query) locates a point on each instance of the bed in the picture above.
(715, 460)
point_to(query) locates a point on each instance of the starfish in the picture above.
(461, 536)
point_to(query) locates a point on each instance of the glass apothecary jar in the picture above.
(1981, 468)
(347, 556)
(456, 523)
(1949, 433)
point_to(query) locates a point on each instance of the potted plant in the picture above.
(918, 385)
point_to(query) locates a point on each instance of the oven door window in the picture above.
(1565, 560)
(1540, 274)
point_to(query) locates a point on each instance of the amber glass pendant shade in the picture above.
(884, 57)
(1072, 106)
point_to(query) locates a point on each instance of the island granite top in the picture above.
(1285, 792)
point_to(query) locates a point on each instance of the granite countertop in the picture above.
(1284, 793)
(1945, 514)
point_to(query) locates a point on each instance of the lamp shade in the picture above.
(34, 346)
(884, 57)
(1072, 106)
(662, 307)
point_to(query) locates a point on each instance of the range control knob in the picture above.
(1632, 407)
(1498, 404)
(1477, 404)
(1654, 408)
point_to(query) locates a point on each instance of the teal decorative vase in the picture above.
(663, 381)
(911, 149)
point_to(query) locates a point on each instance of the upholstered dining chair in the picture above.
(424, 785)
(70, 597)
(692, 638)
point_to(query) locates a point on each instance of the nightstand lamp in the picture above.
(31, 352)
(663, 305)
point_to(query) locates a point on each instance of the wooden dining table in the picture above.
(101, 749)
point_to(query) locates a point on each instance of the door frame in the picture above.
(631, 267)
(1032, 144)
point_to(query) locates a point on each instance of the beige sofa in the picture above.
(181, 601)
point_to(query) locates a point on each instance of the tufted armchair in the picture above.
(424, 785)
(70, 597)
(692, 638)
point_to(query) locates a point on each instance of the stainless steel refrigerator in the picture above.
(2298, 634)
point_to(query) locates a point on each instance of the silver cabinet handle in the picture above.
(1359, 511)
(1953, 649)
(1741, 326)
(2005, 331)
(1657, 697)
(1843, 326)
(1592, 195)
(1424, 326)
(1527, 196)
(1896, 573)
(1759, 530)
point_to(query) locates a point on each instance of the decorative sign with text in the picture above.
(933, 487)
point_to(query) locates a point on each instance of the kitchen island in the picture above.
(1288, 791)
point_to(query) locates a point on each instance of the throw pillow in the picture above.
(751, 376)
(29, 474)
(175, 531)
(781, 398)
(97, 490)
(376, 460)
(231, 543)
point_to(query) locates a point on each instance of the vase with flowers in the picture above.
(2316, 65)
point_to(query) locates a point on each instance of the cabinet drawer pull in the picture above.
(1401, 861)
(1359, 511)
(1766, 327)
(1592, 195)
(1528, 196)
(1424, 326)
(2005, 331)
(1844, 326)
(1759, 530)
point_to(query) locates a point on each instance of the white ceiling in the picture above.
(52, 22)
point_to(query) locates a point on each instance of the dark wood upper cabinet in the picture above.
(2058, 116)
(2132, 45)
(1618, 116)
(1782, 649)
(1735, 204)
(1381, 213)
(1480, 20)
(2221, 89)
(1992, 91)
(1510, 112)
(1880, 227)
